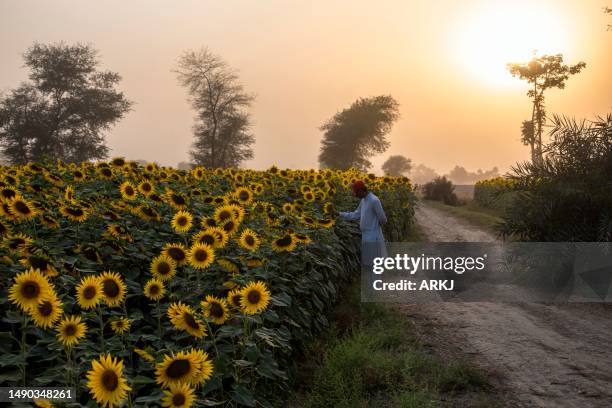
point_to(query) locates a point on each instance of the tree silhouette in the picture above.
(396, 165)
(608, 10)
(358, 132)
(63, 111)
(545, 72)
(222, 130)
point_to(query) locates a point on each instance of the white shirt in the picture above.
(371, 216)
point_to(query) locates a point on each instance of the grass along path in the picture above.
(372, 356)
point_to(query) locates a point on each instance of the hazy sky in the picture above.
(443, 61)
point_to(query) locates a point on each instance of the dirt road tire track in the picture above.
(538, 355)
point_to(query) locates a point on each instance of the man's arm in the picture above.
(380, 213)
(354, 215)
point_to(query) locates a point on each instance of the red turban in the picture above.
(358, 185)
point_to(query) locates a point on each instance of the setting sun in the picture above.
(490, 39)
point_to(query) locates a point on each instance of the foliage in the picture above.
(358, 132)
(440, 189)
(422, 174)
(496, 193)
(222, 131)
(396, 165)
(108, 226)
(64, 110)
(459, 175)
(544, 72)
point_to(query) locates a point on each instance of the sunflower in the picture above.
(182, 221)
(177, 200)
(216, 309)
(201, 256)
(30, 289)
(49, 221)
(154, 289)
(8, 193)
(106, 382)
(144, 355)
(18, 243)
(5, 228)
(208, 222)
(119, 232)
(254, 298)
(47, 313)
(230, 226)
(43, 403)
(146, 188)
(249, 240)
(89, 292)
(326, 223)
(284, 243)
(233, 298)
(179, 396)
(71, 330)
(147, 213)
(177, 252)
(223, 214)
(288, 208)
(105, 172)
(221, 237)
(121, 325)
(74, 212)
(228, 266)
(163, 267)
(113, 288)
(69, 194)
(78, 175)
(22, 209)
(303, 238)
(309, 196)
(206, 237)
(183, 317)
(42, 263)
(178, 368)
(128, 192)
(244, 195)
(204, 364)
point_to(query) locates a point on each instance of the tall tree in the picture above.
(358, 132)
(542, 73)
(397, 165)
(223, 128)
(65, 108)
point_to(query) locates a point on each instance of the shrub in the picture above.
(440, 189)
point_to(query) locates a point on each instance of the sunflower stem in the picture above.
(158, 312)
(24, 327)
(101, 321)
(212, 337)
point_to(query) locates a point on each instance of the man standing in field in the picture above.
(371, 217)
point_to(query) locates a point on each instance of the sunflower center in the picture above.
(163, 268)
(191, 322)
(77, 212)
(110, 287)
(208, 240)
(249, 240)
(229, 226)
(236, 300)
(201, 255)
(70, 330)
(154, 289)
(284, 241)
(39, 263)
(129, 190)
(30, 290)
(46, 308)
(244, 195)
(178, 200)
(146, 187)
(178, 399)
(182, 221)
(216, 310)
(89, 292)
(110, 381)
(176, 253)
(254, 297)
(178, 368)
(22, 207)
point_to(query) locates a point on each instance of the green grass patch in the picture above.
(486, 218)
(370, 358)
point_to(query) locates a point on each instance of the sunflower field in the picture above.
(151, 286)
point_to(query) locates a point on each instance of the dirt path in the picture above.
(538, 355)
